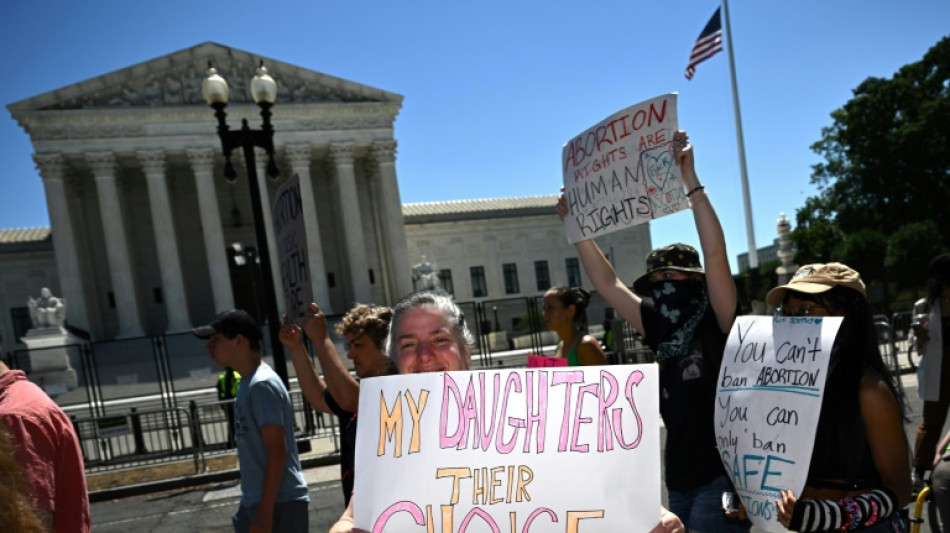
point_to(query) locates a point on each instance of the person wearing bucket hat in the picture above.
(685, 313)
(274, 494)
(932, 332)
(859, 475)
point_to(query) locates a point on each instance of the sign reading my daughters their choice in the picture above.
(292, 248)
(620, 172)
(565, 450)
(768, 399)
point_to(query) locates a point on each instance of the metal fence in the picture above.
(152, 399)
(163, 435)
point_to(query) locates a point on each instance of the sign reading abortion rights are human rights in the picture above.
(620, 172)
(768, 399)
(542, 450)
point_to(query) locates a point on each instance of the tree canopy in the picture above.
(886, 165)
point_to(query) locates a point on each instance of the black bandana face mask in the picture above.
(680, 305)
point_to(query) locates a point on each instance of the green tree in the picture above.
(886, 159)
(862, 251)
(909, 251)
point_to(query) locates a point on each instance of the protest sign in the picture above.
(292, 248)
(768, 399)
(540, 361)
(532, 450)
(620, 172)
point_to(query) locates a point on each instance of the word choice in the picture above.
(478, 518)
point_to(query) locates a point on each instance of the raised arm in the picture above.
(604, 278)
(291, 336)
(343, 386)
(719, 282)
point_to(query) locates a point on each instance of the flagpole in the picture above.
(746, 200)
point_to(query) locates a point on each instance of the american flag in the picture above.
(707, 45)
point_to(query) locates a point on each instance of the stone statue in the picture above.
(47, 311)
(424, 277)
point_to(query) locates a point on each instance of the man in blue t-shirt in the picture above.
(274, 495)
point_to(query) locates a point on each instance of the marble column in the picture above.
(260, 158)
(53, 170)
(169, 261)
(385, 153)
(202, 164)
(342, 155)
(299, 156)
(117, 246)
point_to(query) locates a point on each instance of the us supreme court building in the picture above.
(146, 235)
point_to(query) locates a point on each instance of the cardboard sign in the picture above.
(292, 248)
(620, 172)
(540, 450)
(768, 399)
(541, 361)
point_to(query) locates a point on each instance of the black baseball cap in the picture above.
(231, 323)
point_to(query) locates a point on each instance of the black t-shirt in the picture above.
(687, 402)
(347, 422)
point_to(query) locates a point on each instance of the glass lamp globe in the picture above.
(214, 88)
(263, 87)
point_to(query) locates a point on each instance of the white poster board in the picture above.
(620, 172)
(540, 450)
(768, 399)
(291, 238)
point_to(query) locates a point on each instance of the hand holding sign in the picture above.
(621, 171)
(545, 450)
(768, 399)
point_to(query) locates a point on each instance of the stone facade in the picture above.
(523, 233)
(26, 265)
(144, 223)
(150, 238)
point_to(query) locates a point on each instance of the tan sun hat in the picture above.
(816, 279)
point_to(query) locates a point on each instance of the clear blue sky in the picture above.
(493, 89)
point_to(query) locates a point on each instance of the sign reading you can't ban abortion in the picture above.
(768, 399)
(620, 172)
(291, 238)
(565, 450)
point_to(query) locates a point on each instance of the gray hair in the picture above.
(440, 303)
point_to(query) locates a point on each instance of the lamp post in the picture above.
(215, 91)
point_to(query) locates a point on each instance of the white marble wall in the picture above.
(521, 240)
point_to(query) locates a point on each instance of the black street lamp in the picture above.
(215, 91)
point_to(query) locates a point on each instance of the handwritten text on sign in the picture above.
(767, 403)
(620, 172)
(292, 248)
(526, 450)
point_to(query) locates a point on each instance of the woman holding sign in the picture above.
(686, 322)
(429, 334)
(565, 311)
(859, 476)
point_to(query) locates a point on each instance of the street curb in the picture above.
(126, 491)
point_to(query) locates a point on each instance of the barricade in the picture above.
(149, 437)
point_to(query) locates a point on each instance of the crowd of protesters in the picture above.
(684, 306)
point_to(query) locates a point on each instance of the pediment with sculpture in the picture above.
(175, 80)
